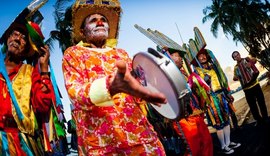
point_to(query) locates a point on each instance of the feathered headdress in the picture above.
(30, 29)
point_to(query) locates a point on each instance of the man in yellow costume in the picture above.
(25, 89)
(218, 111)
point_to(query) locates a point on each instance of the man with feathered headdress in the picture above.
(218, 112)
(26, 89)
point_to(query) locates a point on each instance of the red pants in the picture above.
(197, 135)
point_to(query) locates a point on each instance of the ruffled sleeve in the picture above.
(87, 71)
(42, 92)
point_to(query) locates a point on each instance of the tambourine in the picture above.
(158, 73)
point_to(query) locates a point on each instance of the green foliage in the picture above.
(247, 21)
(63, 19)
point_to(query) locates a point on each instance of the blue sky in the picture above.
(161, 15)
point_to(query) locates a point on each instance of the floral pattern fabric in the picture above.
(105, 130)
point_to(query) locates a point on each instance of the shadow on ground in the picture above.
(255, 140)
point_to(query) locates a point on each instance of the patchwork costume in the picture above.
(218, 114)
(20, 137)
(25, 95)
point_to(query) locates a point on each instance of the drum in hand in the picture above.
(158, 73)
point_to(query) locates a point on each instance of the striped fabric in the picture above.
(246, 74)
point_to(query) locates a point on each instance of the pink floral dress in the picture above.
(105, 125)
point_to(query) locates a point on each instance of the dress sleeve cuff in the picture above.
(45, 83)
(99, 93)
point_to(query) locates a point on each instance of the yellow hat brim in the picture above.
(80, 12)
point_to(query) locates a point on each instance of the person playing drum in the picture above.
(218, 111)
(193, 126)
(99, 83)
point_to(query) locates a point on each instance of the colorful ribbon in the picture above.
(3, 71)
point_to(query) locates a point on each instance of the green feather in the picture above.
(34, 36)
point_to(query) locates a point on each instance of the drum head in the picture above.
(156, 79)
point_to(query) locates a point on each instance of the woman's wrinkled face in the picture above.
(16, 43)
(177, 59)
(96, 27)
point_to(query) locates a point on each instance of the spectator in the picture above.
(246, 72)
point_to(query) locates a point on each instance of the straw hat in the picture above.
(81, 9)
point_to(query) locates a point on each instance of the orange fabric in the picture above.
(110, 129)
(197, 135)
(155, 147)
(14, 140)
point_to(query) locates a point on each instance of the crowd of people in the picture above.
(112, 111)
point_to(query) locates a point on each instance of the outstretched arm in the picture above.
(124, 82)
